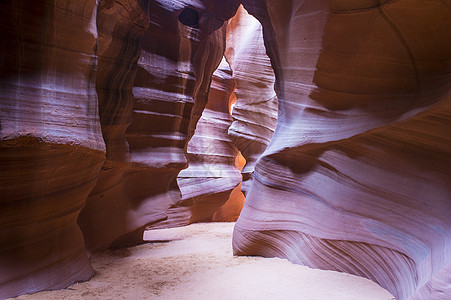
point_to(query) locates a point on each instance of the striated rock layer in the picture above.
(255, 110)
(147, 121)
(121, 26)
(356, 177)
(54, 128)
(181, 49)
(211, 176)
(51, 147)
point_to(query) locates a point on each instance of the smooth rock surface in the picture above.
(356, 177)
(51, 146)
(255, 110)
(121, 26)
(174, 74)
(211, 176)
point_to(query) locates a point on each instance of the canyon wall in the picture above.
(243, 84)
(100, 99)
(255, 110)
(182, 48)
(211, 176)
(157, 86)
(356, 177)
(121, 26)
(85, 143)
(51, 146)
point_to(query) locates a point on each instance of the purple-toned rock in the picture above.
(356, 177)
(51, 146)
(181, 49)
(255, 110)
(121, 26)
(211, 176)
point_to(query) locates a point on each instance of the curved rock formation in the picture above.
(181, 49)
(51, 147)
(51, 135)
(255, 110)
(211, 175)
(176, 59)
(121, 26)
(356, 177)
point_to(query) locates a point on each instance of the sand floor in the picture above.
(196, 262)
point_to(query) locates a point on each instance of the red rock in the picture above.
(356, 177)
(53, 141)
(146, 136)
(121, 26)
(255, 110)
(51, 147)
(211, 176)
(170, 92)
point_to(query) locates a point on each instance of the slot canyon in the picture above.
(321, 127)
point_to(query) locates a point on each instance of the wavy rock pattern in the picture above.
(182, 48)
(255, 110)
(51, 147)
(121, 26)
(363, 138)
(211, 176)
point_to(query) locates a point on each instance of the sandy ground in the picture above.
(196, 262)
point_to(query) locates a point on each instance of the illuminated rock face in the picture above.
(69, 99)
(175, 68)
(51, 146)
(211, 176)
(255, 110)
(100, 98)
(154, 79)
(356, 177)
(121, 26)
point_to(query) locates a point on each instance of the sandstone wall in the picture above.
(182, 48)
(121, 26)
(211, 176)
(100, 99)
(69, 100)
(356, 177)
(153, 84)
(255, 110)
(51, 146)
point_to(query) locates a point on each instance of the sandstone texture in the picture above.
(212, 175)
(51, 146)
(104, 103)
(121, 26)
(356, 177)
(155, 66)
(255, 110)
(79, 129)
(170, 91)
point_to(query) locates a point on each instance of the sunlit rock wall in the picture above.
(181, 49)
(255, 110)
(211, 175)
(68, 99)
(356, 177)
(121, 26)
(51, 146)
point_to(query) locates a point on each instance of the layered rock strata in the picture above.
(53, 133)
(356, 177)
(211, 175)
(255, 110)
(181, 49)
(121, 26)
(51, 146)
